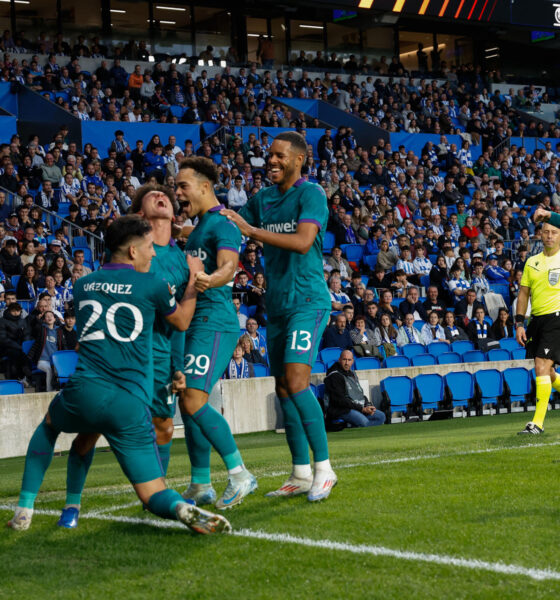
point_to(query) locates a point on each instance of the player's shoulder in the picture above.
(312, 187)
(534, 261)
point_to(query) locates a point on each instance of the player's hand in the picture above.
(195, 264)
(541, 215)
(180, 232)
(202, 281)
(178, 382)
(521, 336)
(244, 227)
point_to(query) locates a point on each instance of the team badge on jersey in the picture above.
(553, 276)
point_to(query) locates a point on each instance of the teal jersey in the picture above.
(116, 308)
(170, 264)
(214, 307)
(294, 280)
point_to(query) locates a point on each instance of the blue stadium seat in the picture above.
(422, 360)
(518, 381)
(370, 260)
(437, 348)
(177, 110)
(419, 324)
(261, 370)
(328, 242)
(498, 354)
(64, 361)
(327, 354)
(460, 385)
(80, 241)
(9, 387)
(27, 305)
(318, 367)
(395, 362)
(430, 390)
(396, 302)
(448, 358)
(490, 385)
(329, 363)
(462, 346)
(474, 356)
(397, 395)
(15, 279)
(413, 349)
(352, 252)
(518, 354)
(509, 344)
(367, 362)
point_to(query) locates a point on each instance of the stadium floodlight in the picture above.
(210, 63)
(200, 63)
(311, 26)
(16, 1)
(151, 58)
(223, 63)
(118, 11)
(177, 8)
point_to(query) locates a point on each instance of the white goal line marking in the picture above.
(285, 538)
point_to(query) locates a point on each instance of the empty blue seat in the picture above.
(430, 390)
(80, 241)
(370, 260)
(327, 354)
(462, 346)
(64, 361)
(498, 354)
(15, 280)
(490, 385)
(518, 353)
(395, 362)
(353, 252)
(421, 360)
(448, 358)
(460, 385)
(328, 242)
(318, 367)
(261, 370)
(367, 362)
(397, 395)
(474, 356)
(419, 324)
(437, 348)
(329, 363)
(509, 344)
(413, 349)
(518, 380)
(9, 387)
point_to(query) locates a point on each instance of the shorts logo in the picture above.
(546, 350)
(553, 277)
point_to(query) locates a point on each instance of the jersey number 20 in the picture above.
(96, 313)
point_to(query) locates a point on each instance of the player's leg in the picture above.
(164, 436)
(207, 356)
(544, 369)
(200, 488)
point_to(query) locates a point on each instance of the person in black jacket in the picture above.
(10, 262)
(337, 335)
(345, 397)
(467, 307)
(412, 305)
(14, 330)
(503, 325)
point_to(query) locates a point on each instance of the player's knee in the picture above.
(295, 384)
(84, 442)
(164, 433)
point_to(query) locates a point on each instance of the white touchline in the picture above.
(285, 538)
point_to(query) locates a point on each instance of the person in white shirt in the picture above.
(338, 297)
(479, 282)
(407, 333)
(422, 265)
(240, 316)
(237, 197)
(432, 331)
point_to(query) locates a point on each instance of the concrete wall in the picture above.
(249, 405)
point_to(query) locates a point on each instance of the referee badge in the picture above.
(553, 276)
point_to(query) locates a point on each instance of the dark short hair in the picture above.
(123, 230)
(203, 167)
(296, 140)
(142, 191)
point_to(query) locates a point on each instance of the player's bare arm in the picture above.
(541, 215)
(227, 263)
(300, 241)
(181, 318)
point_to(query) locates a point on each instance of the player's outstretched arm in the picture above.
(300, 241)
(542, 214)
(227, 263)
(521, 309)
(181, 318)
(181, 232)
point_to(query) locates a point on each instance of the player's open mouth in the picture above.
(275, 170)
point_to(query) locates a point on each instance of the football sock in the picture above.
(302, 471)
(39, 455)
(164, 455)
(216, 430)
(323, 465)
(163, 503)
(544, 387)
(76, 473)
(311, 416)
(295, 433)
(556, 383)
(198, 448)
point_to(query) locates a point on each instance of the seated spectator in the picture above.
(10, 261)
(337, 335)
(240, 316)
(26, 288)
(480, 333)
(386, 258)
(466, 308)
(434, 302)
(385, 307)
(257, 339)
(338, 298)
(239, 367)
(69, 333)
(251, 264)
(386, 335)
(380, 279)
(411, 304)
(14, 330)
(237, 196)
(363, 338)
(496, 274)
(250, 354)
(438, 276)
(48, 341)
(407, 333)
(456, 284)
(432, 331)
(453, 328)
(336, 261)
(241, 287)
(422, 265)
(480, 284)
(503, 325)
(256, 296)
(345, 396)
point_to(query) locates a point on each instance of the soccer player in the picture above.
(157, 205)
(541, 281)
(290, 219)
(112, 387)
(211, 338)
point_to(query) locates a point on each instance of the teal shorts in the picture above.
(95, 406)
(295, 338)
(207, 355)
(164, 401)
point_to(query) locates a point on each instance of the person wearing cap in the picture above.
(495, 273)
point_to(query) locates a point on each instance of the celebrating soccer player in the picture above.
(290, 219)
(541, 281)
(211, 338)
(112, 387)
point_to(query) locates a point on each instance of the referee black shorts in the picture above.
(543, 337)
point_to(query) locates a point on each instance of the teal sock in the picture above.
(312, 418)
(199, 449)
(164, 455)
(216, 430)
(76, 473)
(39, 455)
(163, 503)
(295, 432)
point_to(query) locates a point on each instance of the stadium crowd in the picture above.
(438, 222)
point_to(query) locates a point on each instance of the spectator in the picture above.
(345, 397)
(338, 298)
(338, 262)
(237, 197)
(69, 333)
(480, 333)
(363, 338)
(432, 331)
(453, 329)
(407, 333)
(50, 171)
(250, 354)
(337, 335)
(26, 288)
(466, 307)
(240, 316)
(386, 336)
(239, 367)
(10, 262)
(257, 339)
(411, 304)
(434, 302)
(503, 325)
(14, 330)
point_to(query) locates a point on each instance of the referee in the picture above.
(541, 281)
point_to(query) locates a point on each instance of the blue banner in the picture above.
(8, 126)
(8, 101)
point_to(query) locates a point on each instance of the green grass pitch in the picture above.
(451, 509)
